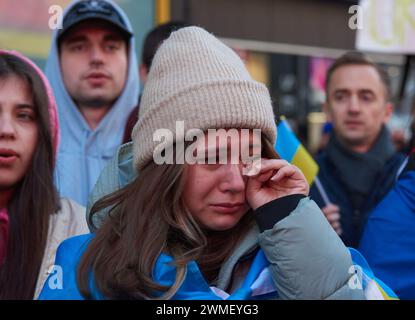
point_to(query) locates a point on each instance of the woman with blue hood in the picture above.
(212, 228)
(93, 70)
(33, 220)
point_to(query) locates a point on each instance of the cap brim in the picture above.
(93, 16)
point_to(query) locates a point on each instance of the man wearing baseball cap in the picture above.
(93, 71)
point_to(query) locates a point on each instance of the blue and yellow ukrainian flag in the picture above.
(289, 148)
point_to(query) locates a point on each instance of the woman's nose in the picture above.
(233, 180)
(7, 129)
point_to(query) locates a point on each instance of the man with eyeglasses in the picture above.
(93, 71)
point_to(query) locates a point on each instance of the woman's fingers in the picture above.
(270, 179)
(284, 172)
(258, 167)
(260, 171)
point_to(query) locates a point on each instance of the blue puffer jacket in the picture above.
(388, 241)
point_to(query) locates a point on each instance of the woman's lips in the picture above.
(227, 207)
(8, 156)
(6, 161)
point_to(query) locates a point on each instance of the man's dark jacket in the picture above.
(353, 219)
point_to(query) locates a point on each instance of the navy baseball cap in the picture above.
(93, 9)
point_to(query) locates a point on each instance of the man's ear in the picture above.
(389, 111)
(326, 110)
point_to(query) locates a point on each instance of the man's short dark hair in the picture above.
(358, 58)
(155, 37)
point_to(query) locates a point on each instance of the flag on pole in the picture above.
(289, 148)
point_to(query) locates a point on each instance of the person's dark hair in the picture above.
(35, 197)
(146, 218)
(155, 37)
(358, 58)
(151, 43)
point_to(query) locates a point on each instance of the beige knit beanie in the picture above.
(197, 79)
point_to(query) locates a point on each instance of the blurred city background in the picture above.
(286, 44)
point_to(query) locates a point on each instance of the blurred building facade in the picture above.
(290, 45)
